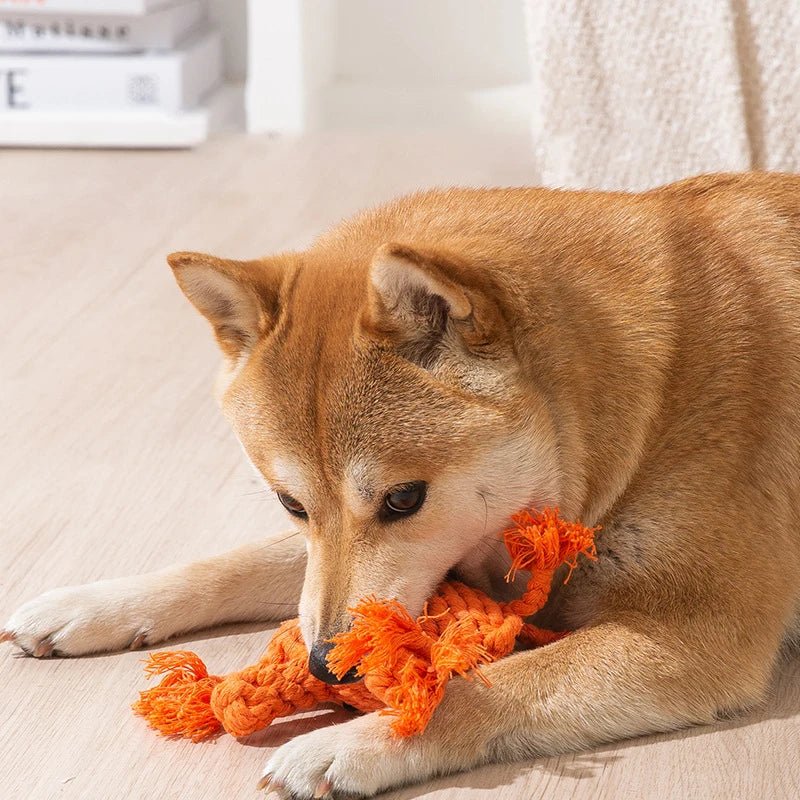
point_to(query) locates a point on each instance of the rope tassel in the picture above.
(405, 663)
(181, 704)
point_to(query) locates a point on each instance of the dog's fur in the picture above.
(632, 358)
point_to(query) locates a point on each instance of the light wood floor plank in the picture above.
(113, 459)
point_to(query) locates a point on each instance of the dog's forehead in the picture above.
(328, 397)
(351, 397)
(365, 419)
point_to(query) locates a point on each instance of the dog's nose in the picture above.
(318, 665)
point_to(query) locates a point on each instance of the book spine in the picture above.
(169, 82)
(51, 32)
(81, 6)
(64, 32)
(220, 110)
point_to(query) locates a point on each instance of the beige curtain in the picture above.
(634, 93)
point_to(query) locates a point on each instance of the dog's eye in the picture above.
(404, 500)
(294, 507)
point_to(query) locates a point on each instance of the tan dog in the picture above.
(433, 365)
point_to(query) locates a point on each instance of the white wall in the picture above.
(440, 63)
(378, 63)
(425, 43)
(231, 17)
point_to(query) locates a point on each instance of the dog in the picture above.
(431, 366)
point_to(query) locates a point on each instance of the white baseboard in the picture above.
(500, 108)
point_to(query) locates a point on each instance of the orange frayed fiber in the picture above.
(405, 663)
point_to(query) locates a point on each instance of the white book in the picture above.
(130, 7)
(169, 81)
(222, 110)
(98, 33)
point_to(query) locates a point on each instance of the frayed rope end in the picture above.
(181, 704)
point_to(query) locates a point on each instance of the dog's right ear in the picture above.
(416, 295)
(238, 298)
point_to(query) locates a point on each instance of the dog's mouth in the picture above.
(453, 574)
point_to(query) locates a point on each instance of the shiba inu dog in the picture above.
(431, 366)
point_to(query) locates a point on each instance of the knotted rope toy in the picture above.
(405, 663)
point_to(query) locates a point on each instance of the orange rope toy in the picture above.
(405, 663)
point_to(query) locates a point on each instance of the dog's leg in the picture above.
(600, 684)
(260, 581)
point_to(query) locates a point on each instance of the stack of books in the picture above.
(126, 73)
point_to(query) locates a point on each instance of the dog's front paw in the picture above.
(75, 620)
(357, 758)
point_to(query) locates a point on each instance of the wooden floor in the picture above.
(113, 459)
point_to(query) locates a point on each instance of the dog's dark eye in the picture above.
(294, 507)
(404, 500)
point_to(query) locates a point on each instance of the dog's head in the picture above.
(377, 391)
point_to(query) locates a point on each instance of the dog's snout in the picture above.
(318, 664)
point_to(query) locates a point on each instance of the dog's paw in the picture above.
(358, 758)
(101, 616)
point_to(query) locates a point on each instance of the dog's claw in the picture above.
(138, 641)
(267, 782)
(43, 649)
(323, 789)
(6, 636)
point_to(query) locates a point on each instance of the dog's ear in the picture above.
(238, 298)
(417, 294)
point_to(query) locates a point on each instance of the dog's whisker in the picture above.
(499, 496)
(485, 512)
(274, 542)
(492, 545)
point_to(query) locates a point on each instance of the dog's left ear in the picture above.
(417, 294)
(238, 298)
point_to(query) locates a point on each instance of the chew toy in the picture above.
(405, 663)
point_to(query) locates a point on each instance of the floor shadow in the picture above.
(285, 729)
(230, 629)
(783, 702)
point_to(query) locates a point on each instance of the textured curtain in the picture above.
(634, 93)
